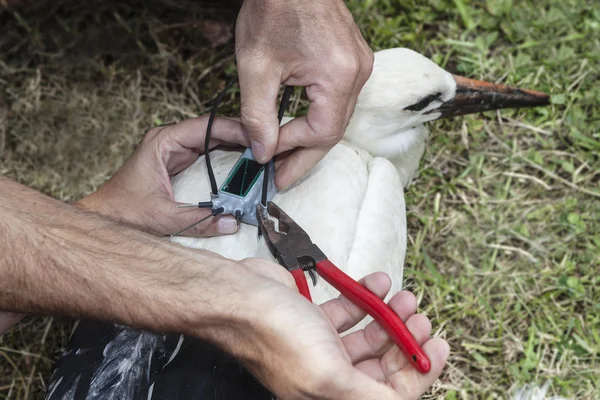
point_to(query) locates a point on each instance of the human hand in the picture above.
(310, 43)
(140, 192)
(293, 347)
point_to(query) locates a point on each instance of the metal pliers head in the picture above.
(288, 243)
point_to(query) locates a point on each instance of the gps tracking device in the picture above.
(248, 184)
(242, 190)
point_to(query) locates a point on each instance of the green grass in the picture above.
(504, 216)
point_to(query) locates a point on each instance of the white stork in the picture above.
(352, 202)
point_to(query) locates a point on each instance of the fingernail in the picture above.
(227, 225)
(258, 150)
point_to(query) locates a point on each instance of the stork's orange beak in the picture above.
(474, 96)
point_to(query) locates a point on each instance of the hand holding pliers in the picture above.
(294, 250)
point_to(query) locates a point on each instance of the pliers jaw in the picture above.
(289, 243)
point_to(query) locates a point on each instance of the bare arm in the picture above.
(144, 183)
(56, 259)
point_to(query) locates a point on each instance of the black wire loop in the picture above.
(285, 101)
(213, 113)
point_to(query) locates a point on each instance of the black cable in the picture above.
(213, 213)
(285, 101)
(202, 204)
(213, 112)
(217, 211)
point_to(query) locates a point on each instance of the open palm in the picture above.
(312, 359)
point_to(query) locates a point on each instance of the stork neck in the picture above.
(387, 138)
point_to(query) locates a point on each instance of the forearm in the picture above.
(58, 260)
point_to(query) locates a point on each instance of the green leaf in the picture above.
(480, 43)
(450, 395)
(491, 38)
(464, 14)
(575, 220)
(429, 264)
(523, 230)
(585, 141)
(568, 166)
(572, 282)
(480, 359)
(536, 157)
(558, 99)
(368, 4)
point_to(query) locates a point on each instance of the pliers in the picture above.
(295, 251)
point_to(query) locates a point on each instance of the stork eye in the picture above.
(424, 102)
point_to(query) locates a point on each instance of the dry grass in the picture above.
(504, 217)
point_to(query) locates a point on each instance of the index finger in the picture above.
(259, 85)
(191, 133)
(316, 133)
(374, 340)
(344, 314)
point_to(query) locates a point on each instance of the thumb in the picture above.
(259, 87)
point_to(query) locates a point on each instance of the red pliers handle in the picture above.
(294, 250)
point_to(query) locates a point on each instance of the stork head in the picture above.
(406, 90)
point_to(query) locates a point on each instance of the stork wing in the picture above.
(353, 208)
(380, 240)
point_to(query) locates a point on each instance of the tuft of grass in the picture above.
(503, 217)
